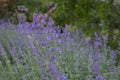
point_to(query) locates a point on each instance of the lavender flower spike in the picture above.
(52, 69)
(96, 67)
(61, 77)
(99, 78)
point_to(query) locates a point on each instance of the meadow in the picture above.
(40, 51)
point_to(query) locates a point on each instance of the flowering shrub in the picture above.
(38, 51)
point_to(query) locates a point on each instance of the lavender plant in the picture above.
(16, 59)
(38, 51)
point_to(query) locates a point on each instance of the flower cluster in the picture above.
(40, 51)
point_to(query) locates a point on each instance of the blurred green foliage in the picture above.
(32, 5)
(39, 6)
(7, 7)
(89, 15)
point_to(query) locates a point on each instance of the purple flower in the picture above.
(119, 43)
(20, 25)
(96, 55)
(40, 62)
(12, 51)
(87, 40)
(112, 54)
(60, 51)
(42, 75)
(112, 60)
(27, 31)
(66, 28)
(112, 57)
(50, 22)
(52, 56)
(49, 38)
(33, 25)
(99, 78)
(35, 51)
(34, 17)
(59, 59)
(61, 77)
(21, 18)
(1, 48)
(97, 44)
(52, 69)
(97, 36)
(42, 43)
(56, 35)
(57, 48)
(60, 41)
(51, 48)
(96, 67)
(112, 68)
